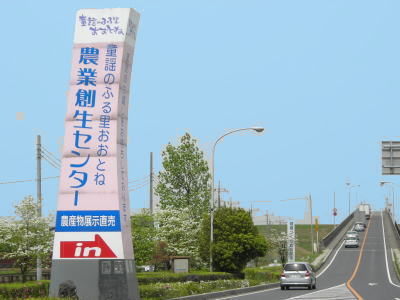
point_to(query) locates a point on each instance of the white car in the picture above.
(352, 234)
(351, 242)
(359, 226)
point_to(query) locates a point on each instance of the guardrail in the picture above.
(394, 223)
(332, 235)
(8, 278)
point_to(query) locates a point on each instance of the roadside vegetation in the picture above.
(242, 252)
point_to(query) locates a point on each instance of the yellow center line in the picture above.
(348, 283)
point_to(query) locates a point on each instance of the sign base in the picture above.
(96, 279)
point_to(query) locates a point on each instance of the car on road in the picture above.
(352, 233)
(298, 274)
(351, 242)
(359, 226)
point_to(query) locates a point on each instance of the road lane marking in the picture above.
(386, 259)
(337, 251)
(372, 284)
(348, 283)
(335, 292)
(241, 295)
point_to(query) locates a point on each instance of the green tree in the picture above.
(180, 232)
(236, 240)
(143, 237)
(26, 237)
(185, 180)
(279, 242)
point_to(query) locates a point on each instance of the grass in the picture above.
(303, 244)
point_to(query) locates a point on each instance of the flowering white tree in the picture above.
(279, 242)
(178, 229)
(25, 237)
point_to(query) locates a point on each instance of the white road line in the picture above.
(332, 287)
(337, 251)
(386, 259)
(240, 295)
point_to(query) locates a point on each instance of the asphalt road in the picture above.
(370, 280)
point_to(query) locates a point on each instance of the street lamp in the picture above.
(307, 198)
(350, 186)
(256, 129)
(382, 183)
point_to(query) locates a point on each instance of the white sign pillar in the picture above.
(93, 253)
(291, 243)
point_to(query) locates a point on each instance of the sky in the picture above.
(322, 77)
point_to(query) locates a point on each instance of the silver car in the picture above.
(352, 234)
(351, 242)
(298, 274)
(359, 226)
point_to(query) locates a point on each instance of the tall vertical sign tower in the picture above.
(291, 241)
(93, 254)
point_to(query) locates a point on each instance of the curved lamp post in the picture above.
(392, 184)
(257, 129)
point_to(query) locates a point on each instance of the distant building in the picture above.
(271, 219)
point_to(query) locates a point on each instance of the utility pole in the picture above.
(39, 196)
(151, 183)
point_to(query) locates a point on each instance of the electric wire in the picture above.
(50, 154)
(55, 164)
(140, 179)
(138, 188)
(27, 180)
(139, 184)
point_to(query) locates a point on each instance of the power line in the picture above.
(138, 184)
(50, 154)
(27, 180)
(50, 160)
(140, 179)
(138, 188)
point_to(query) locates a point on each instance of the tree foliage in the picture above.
(143, 237)
(180, 232)
(185, 180)
(279, 242)
(236, 240)
(26, 237)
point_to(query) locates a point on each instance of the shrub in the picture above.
(271, 274)
(165, 277)
(24, 290)
(180, 289)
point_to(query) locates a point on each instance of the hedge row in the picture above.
(24, 290)
(180, 289)
(31, 290)
(159, 285)
(166, 277)
(271, 274)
